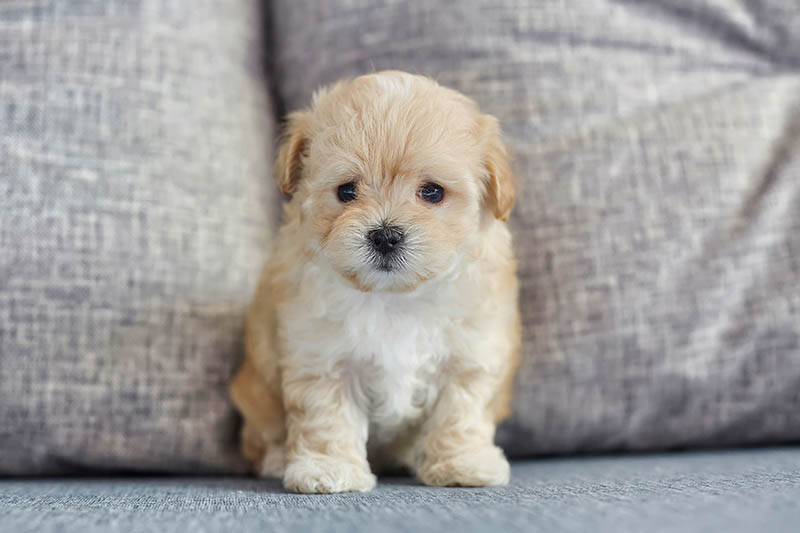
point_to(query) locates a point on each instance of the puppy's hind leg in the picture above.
(263, 433)
(268, 458)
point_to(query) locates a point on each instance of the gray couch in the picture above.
(734, 491)
(657, 146)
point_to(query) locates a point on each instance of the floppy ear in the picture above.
(289, 165)
(500, 183)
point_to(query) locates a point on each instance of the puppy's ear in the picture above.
(289, 165)
(500, 183)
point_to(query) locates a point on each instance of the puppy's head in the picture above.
(394, 176)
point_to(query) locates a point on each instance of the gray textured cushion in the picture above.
(134, 155)
(658, 225)
(724, 491)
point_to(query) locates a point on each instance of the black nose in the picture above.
(385, 239)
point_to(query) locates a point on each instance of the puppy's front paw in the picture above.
(324, 474)
(479, 467)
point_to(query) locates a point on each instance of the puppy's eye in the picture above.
(432, 193)
(346, 192)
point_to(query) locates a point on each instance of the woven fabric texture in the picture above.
(734, 492)
(657, 145)
(134, 174)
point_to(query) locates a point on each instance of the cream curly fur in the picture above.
(411, 367)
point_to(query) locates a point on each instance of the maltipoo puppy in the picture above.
(385, 329)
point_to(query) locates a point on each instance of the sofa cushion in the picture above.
(743, 491)
(134, 154)
(657, 147)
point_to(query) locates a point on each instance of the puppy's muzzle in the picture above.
(386, 239)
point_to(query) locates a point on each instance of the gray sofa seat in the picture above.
(747, 490)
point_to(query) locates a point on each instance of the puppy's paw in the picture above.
(324, 474)
(479, 467)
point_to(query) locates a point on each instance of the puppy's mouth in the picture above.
(387, 264)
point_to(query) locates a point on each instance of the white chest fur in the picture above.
(389, 349)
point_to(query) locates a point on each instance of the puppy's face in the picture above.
(394, 177)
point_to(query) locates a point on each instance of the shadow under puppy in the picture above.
(386, 319)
